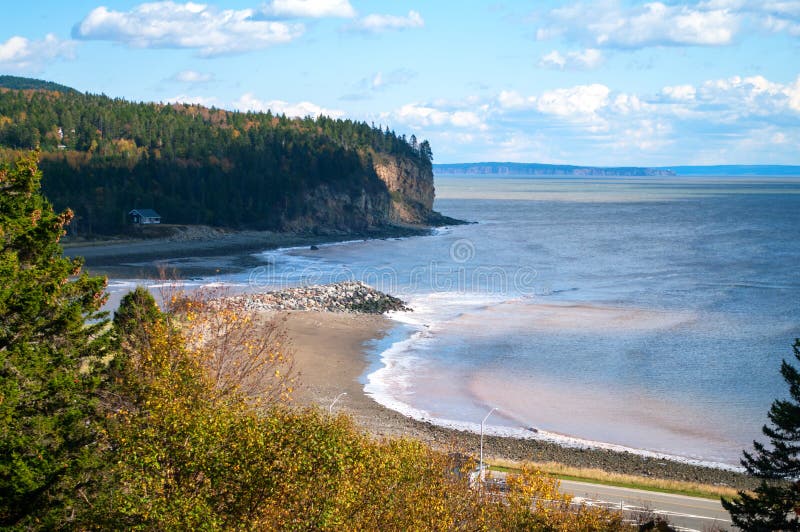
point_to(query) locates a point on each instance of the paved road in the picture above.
(689, 513)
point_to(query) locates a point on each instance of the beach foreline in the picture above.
(332, 355)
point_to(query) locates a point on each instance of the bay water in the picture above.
(648, 314)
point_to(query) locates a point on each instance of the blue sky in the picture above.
(602, 83)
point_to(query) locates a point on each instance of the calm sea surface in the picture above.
(646, 313)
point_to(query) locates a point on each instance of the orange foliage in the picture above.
(241, 352)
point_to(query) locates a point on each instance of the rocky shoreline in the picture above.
(346, 296)
(200, 251)
(354, 298)
(532, 450)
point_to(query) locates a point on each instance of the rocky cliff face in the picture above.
(410, 188)
(332, 212)
(406, 199)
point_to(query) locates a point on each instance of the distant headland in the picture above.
(538, 169)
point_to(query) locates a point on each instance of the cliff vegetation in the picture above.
(104, 156)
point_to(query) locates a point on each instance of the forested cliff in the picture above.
(104, 156)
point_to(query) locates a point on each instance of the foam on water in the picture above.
(430, 314)
(399, 365)
(692, 301)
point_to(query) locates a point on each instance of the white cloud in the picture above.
(752, 85)
(616, 24)
(583, 59)
(206, 101)
(743, 120)
(514, 100)
(793, 92)
(310, 8)
(780, 16)
(578, 101)
(248, 102)
(749, 96)
(644, 135)
(195, 26)
(780, 25)
(553, 60)
(19, 54)
(722, 101)
(465, 119)
(790, 8)
(629, 103)
(610, 24)
(377, 23)
(421, 116)
(684, 93)
(192, 76)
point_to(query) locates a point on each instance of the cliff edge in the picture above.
(105, 158)
(404, 197)
(410, 186)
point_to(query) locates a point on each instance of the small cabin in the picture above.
(144, 216)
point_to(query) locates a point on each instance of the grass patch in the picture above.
(599, 476)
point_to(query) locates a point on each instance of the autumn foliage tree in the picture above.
(180, 420)
(191, 454)
(534, 502)
(242, 352)
(50, 332)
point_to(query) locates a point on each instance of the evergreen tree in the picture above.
(775, 504)
(192, 164)
(50, 331)
(136, 310)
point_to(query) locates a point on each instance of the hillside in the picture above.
(103, 157)
(536, 169)
(18, 83)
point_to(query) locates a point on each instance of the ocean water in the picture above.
(642, 313)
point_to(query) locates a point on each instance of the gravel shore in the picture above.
(347, 296)
(202, 251)
(330, 355)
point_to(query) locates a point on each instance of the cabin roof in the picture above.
(145, 213)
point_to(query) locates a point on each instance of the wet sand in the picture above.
(330, 358)
(207, 253)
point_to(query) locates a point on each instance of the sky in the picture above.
(606, 83)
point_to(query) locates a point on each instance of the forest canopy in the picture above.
(104, 156)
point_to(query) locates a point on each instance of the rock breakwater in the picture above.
(348, 296)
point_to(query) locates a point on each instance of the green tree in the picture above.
(192, 164)
(137, 309)
(50, 331)
(775, 504)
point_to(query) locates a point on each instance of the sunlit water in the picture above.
(646, 313)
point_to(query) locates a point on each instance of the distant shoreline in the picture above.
(564, 170)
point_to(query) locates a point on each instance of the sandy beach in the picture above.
(330, 352)
(330, 357)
